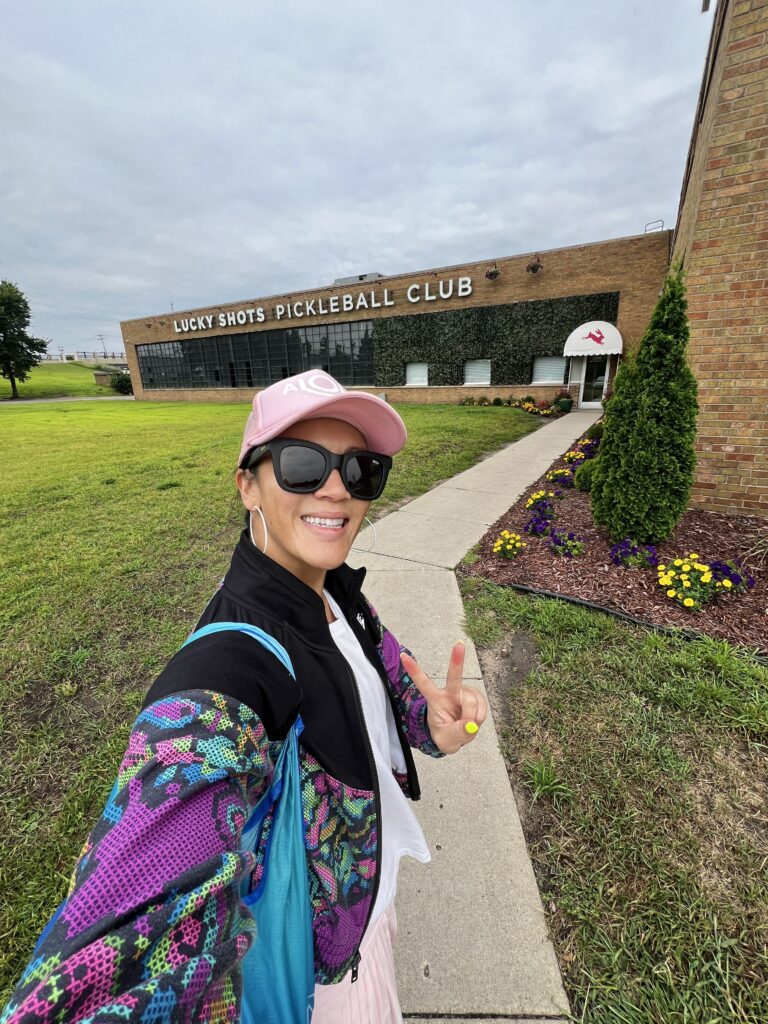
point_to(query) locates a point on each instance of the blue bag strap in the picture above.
(272, 795)
(263, 637)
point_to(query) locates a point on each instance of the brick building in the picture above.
(495, 328)
(722, 240)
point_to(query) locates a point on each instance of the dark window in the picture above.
(255, 359)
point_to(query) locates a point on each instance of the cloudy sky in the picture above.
(187, 152)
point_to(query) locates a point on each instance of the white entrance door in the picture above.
(593, 382)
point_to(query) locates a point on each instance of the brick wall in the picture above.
(634, 267)
(722, 236)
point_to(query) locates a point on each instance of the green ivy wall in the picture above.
(511, 336)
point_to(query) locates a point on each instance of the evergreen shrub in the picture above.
(595, 432)
(583, 476)
(121, 383)
(643, 479)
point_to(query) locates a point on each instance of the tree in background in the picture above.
(18, 351)
(642, 482)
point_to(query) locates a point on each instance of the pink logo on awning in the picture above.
(597, 336)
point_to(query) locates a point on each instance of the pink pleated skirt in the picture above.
(372, 999)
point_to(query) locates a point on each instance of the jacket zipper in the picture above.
(355, 961)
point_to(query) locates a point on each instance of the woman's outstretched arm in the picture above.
(153, 927)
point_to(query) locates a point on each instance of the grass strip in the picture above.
(57, 380)
(640, 762)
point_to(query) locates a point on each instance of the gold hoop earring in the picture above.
(264, 526)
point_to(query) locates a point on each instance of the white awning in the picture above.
(596, 338)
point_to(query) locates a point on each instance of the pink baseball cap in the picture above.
(315, 394)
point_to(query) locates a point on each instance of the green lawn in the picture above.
(55, 380)
(118, 519)
(639, 761)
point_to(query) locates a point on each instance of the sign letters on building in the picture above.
(342, 302)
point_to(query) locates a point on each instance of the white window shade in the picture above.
(549, 370)
(477, 371)
(416, 374)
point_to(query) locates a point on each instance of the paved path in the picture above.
(472, 941)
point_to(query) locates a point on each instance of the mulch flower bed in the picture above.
(740, 618)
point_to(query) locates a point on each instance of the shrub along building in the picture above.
(521, 325)
(529, 324)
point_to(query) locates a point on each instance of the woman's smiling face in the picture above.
(308, 533)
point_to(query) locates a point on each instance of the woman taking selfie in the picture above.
(158, 923)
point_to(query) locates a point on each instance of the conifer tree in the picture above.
(643, 481)
(18, 351)
(618, 422)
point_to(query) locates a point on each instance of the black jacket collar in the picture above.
(257, 581)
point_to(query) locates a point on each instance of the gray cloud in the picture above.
(196, 152)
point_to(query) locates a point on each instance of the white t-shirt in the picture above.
(401, 834)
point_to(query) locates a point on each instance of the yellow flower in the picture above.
(727, 584)
(693, 555)
(678, 561)
(665, 581)
(671, 593)
(689, 602)
(661, 568)
(672, 573)
(683, 575)
(687, 583)
(707, 577)
(686, 568)
(705, 568)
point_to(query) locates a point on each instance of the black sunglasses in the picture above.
(302, 467)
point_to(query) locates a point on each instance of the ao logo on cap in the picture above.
(317, 384)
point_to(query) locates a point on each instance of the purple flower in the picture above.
(626, 552)
(589, 447)
(541, 513)
(565, 544)
(732, 570)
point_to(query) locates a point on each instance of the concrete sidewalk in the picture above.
(472, 939)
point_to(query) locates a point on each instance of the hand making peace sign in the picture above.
(454, 713)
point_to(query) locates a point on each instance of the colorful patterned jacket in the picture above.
(153, 928)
